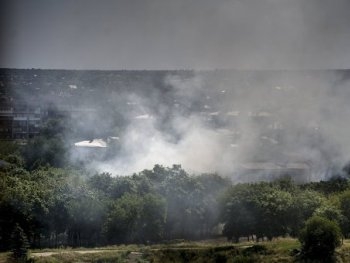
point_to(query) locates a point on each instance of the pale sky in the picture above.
(175, 34)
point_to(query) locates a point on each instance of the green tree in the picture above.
(150, 225)
(333, 213)
(305, 203)
(42, 151)
(134, 218)
(238, 212)
(273, 207)
(15, 159)
(7, 148)
(16, 203)
(256, 209)
(319, 239)
(344, 202)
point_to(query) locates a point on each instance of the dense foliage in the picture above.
(280, 208)
(55, 206)
(319, 238)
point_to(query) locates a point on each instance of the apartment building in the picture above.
(19, 119)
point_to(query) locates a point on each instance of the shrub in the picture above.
(319, 238)
(255, 249)
(19, 245)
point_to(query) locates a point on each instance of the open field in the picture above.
(279, 250)
(201, 251)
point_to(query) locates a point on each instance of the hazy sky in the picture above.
(172, 34)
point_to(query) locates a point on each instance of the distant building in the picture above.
(266, 171)
(6, 118)
(18, 120)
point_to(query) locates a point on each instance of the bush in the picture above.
(319, 239)
(19, 245)
(255, 249)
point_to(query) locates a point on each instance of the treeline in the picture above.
(74, 207)
(281, 208)
(62, 207)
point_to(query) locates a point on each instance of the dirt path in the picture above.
(50, 253)
(132, 257)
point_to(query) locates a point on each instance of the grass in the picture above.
(275, 251)
(104, 257)
(278, 250)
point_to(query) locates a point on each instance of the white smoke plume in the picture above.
(217, 122)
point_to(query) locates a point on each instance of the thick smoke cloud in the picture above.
(209, 121)
(217, 121)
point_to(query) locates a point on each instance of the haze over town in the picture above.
(136, 127)
(204, 120)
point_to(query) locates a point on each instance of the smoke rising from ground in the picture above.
(215, 122)
(207, 121)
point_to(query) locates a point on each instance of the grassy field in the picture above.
(278, 250)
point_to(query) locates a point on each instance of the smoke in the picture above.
(207, 121)
(216, 121)
(198, 148)
(167, 134)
